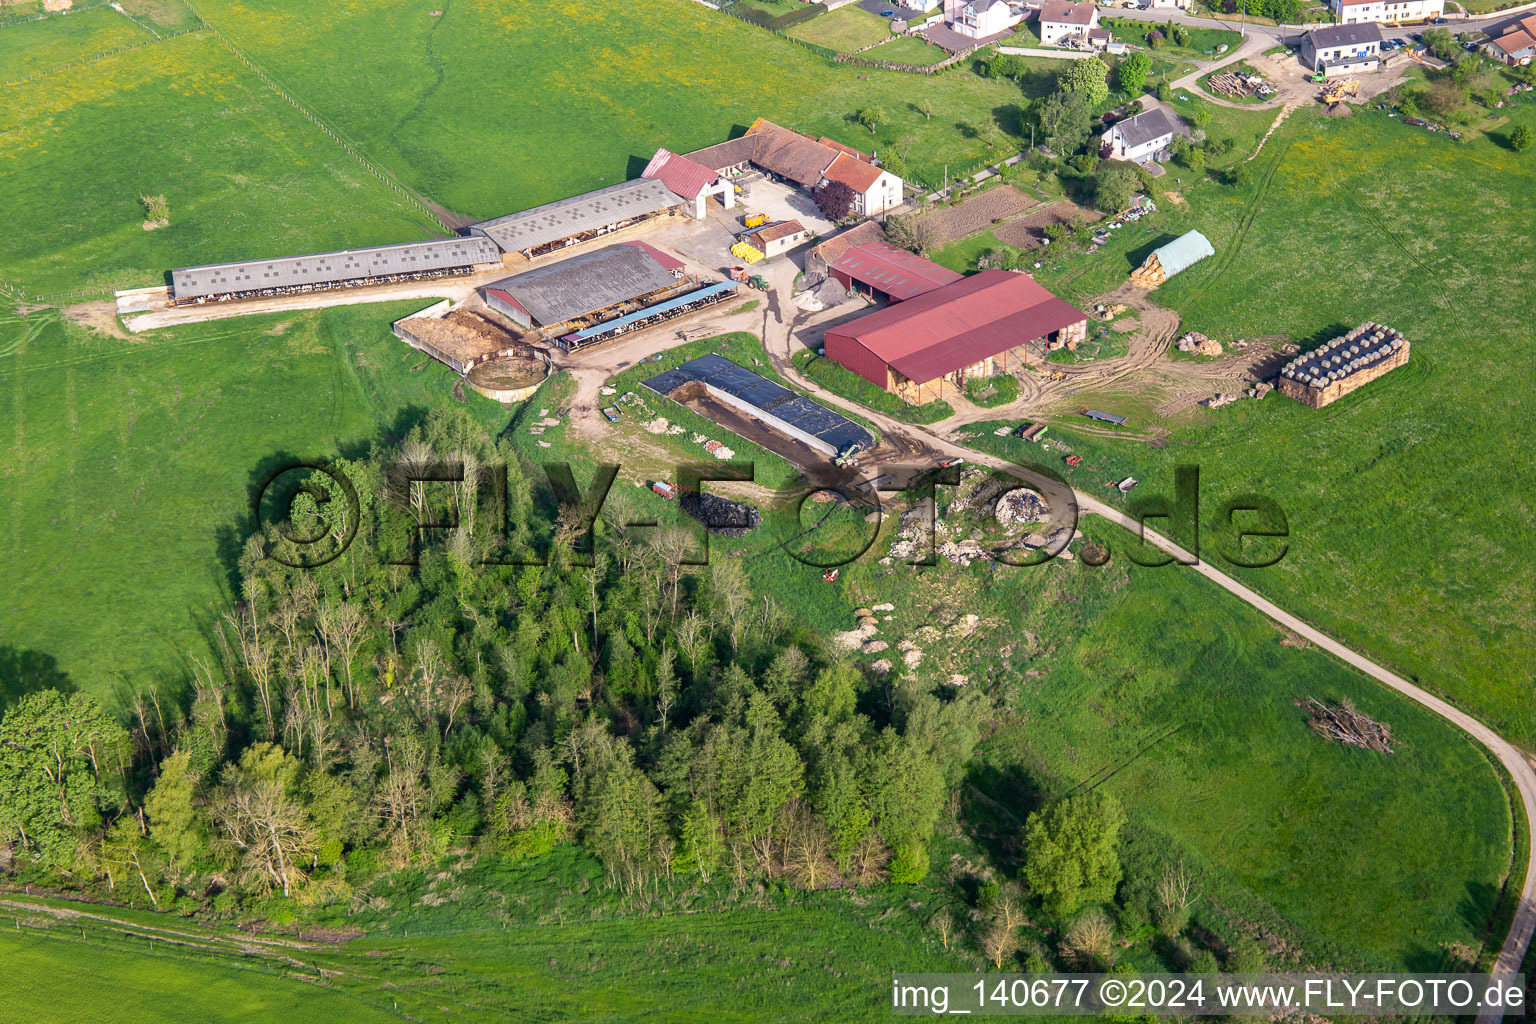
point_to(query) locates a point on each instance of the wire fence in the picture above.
(24, 18)
(98, 57)
(340, 139)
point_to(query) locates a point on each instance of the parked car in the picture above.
(1440, 21)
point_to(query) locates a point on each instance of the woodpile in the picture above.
(1343, 723)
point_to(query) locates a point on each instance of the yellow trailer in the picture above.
(754, 220)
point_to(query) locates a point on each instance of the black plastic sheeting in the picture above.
(761, 393)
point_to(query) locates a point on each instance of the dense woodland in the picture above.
(362, 716)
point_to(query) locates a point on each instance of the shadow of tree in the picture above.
(23, 671)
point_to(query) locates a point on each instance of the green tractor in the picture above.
(759, 282)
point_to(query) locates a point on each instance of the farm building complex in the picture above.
(295, 275)
(807, 163)
(953, 333)
(566, 222)
(1350, 361)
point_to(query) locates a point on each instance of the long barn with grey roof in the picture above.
(556, 225)
(587, 288)
(293, 275)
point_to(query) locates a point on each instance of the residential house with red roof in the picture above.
(1516, 46)
(805, 163)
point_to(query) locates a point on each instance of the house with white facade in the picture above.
(877, 189)
(1387, 12)
(978, 19)
(1172, 5)
(1067, 24)
(1517, 45)
(1342, 49)
(1143, 137)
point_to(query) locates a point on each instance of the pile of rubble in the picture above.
(1021, 507)
(1199, 344)
(659, 425)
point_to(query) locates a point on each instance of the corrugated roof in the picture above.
(560, 292)
(896, 272)
(833, 248)
(1344, 35)
(576, 337)
(1183, 252)
(553, 221)
(960, 324)
(854, 173)
(664, 258)
(721, 155)
(857, 154)
(680, 174)
(331, 267)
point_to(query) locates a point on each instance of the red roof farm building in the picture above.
(878, 269)
(952, 333)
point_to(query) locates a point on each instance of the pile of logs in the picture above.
(1343, 723)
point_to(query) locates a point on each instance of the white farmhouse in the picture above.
(1142, 137)
(877, 189)
(1342, 49)
(1067, 24)
(1390, 12)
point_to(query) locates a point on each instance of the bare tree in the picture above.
(1175, 895)
(270, 832)
(944, 924)
(998, 943)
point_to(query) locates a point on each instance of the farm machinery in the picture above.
(1334, 92)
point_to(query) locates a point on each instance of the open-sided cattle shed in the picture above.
(287, 275)
(584, 286)
(952, 333)
(881, 268)
(590, 215)
(824, 430)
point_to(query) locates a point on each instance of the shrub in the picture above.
(1521, 138)
(1164, 91)
(910, 865)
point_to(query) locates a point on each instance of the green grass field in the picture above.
(844, 29)
(1202, 43)
(1406, 507)
(244, 173)
(127, 463)
(32, 47)
(907, 50)
(449, 103)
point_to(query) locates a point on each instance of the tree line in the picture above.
(363, 716)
